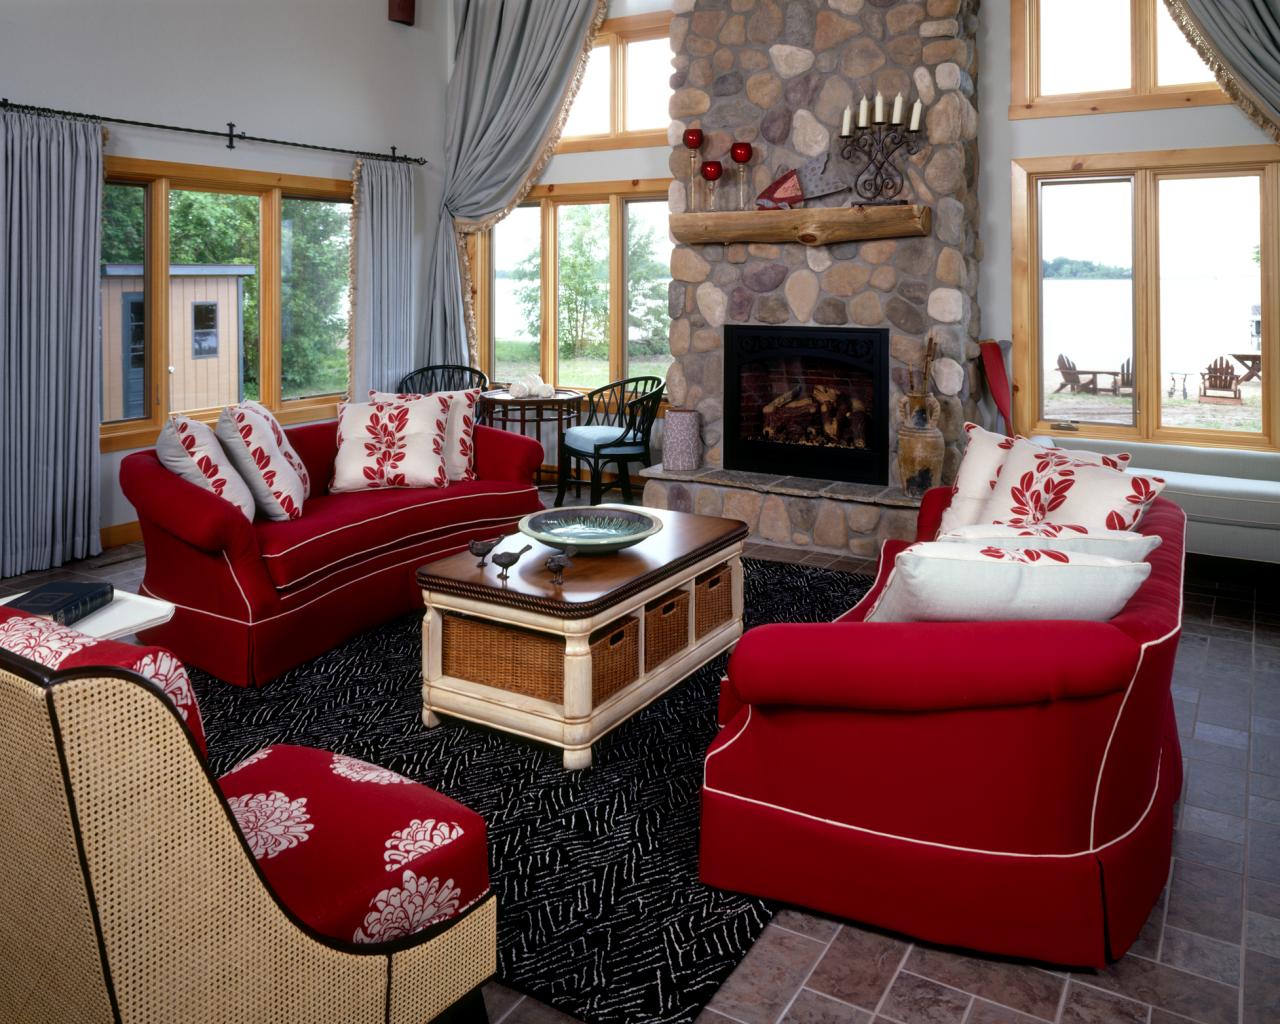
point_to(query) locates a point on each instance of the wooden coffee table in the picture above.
(566, 664)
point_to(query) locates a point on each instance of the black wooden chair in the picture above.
(427, 380)
(617, 429)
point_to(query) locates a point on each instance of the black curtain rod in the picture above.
(231, 135)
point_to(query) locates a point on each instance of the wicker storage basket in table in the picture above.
(712, 600)
(666, 627)
(528, 662)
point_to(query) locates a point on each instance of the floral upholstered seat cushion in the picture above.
(62, 647)
(360, 853)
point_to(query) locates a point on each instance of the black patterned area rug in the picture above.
(601, 913)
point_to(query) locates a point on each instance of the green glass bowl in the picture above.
(598, 530)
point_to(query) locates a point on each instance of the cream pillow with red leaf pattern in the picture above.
(1127, 545)
(459, 441)
(391, 444)
(944, 582)
(282, 442)
(1053, 485)
(251, 443)
(981, 468)
(190, 449)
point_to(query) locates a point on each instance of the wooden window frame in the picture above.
(616, 34)
(1143, 92)
(160, 177)
(548, 198)
(1147, 170)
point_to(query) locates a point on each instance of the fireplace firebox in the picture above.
(807, 401)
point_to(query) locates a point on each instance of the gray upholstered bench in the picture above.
(1231, 496)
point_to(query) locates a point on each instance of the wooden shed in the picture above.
(206, 337)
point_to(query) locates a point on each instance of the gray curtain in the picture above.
(50, 357)
(514, 64)
(382, 339)
(1240, 41)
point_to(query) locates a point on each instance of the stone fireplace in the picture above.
(779, 74)
(807, 401)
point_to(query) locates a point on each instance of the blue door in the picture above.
(134, 352)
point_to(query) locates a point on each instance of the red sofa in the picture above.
(1004, 786)
(255, 599)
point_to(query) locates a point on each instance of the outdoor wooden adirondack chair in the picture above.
(1073, 379)
(1220, 383)
(1123, 382)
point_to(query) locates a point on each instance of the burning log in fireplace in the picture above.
(821, 415)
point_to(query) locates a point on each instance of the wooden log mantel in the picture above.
(819, 226)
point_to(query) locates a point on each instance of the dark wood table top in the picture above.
(594, 583)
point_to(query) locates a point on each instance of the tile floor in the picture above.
(1210, 952)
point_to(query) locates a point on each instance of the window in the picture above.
(204, 331)
(1095, 56)
(252, 300)
(573, 286)
(623, 100)
(1146, 306)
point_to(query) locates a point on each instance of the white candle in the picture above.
(897, 110)
(847, 123)
(862, 113)
(915, 116)
(879, 118)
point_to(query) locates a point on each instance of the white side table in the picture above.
(125, 615)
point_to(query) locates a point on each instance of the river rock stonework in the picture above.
(779, 74)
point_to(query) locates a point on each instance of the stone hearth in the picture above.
(779, 74)
(796, 511)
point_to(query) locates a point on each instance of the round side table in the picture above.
(527, 416)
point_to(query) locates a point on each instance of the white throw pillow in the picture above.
(391, 444)
(282, 442)
(981, 468)
(251, 444)
(459, 444)
(1052, 485)
(941, 582)
(190, 449)
(1126, 545)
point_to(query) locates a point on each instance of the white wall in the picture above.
(332, 72)
(1000, 141)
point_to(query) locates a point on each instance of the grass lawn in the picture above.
(513, 359)
(1174, 412)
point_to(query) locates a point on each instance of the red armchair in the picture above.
(1005, 786)
(255, 599)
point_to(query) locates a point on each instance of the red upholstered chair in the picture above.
(301, 886)
(1004, 786)
(255, 599)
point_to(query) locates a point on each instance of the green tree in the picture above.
(582, 325)
(1084, 270)
(582, 321)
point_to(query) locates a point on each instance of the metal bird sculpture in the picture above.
(506, 559)
(481, 549)
(558, 563)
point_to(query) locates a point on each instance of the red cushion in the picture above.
(359, 853)
(64, 647)
(341, 531)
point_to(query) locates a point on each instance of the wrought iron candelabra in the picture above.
(879, 180)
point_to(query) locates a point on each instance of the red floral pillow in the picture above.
(282, 442)
(392, 444)
(459, 446)
(251, 443)
(190, 449)
(60, 647)
(1049, 485)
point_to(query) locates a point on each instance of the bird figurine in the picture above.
(558, 563)
(481, 549)
(506, 559)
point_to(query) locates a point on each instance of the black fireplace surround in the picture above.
(807, 401)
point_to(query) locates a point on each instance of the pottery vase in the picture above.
(920, 443)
